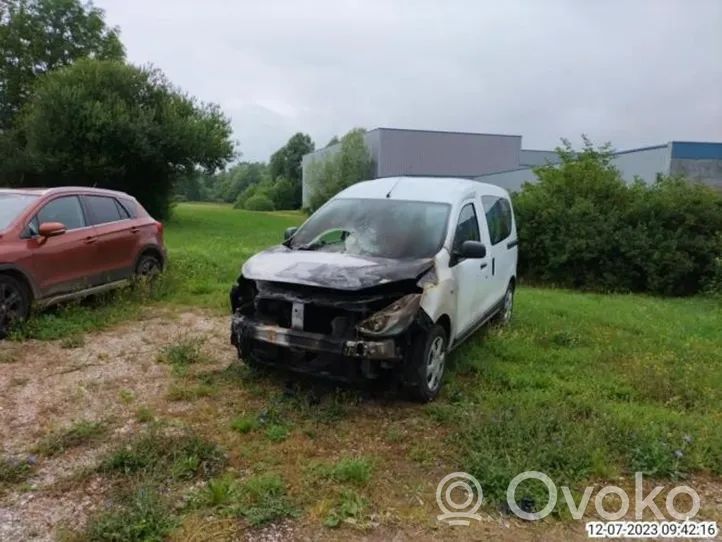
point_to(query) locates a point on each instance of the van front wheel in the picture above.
(427, 364)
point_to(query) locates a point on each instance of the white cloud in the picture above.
(635, 73)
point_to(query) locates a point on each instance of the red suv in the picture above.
(58, 244)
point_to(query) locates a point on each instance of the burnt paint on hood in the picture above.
(335, 270)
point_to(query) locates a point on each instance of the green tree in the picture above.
(231, 183)
(37, 36)
(285, 163)
(583, 226)
(112, 125)
(351, 164)
(333, 141)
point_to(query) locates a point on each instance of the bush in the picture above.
(259, 202)
(582, 226)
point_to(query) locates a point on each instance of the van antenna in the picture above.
(392, 188)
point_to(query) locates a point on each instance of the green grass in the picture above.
(589, 386)
(79, 434)
(583, 387)
(142, 516)
(183, 353)
(259, 499)
(14, 471)
(157, 456)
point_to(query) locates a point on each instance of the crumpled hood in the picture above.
(330, 269)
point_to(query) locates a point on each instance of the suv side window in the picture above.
(104, 209)
(66, 209)
(467, 229)
(128, 206)
(498, 217)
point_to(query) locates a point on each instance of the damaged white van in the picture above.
(383, 281)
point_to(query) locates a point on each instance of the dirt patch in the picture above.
(45, 388)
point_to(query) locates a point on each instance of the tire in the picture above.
(427, 364)
(14, 303)
(148, 266)
(503, 317)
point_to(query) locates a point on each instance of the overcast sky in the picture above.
(633, 72)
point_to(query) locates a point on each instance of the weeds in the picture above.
(277, 432)
(259, 499)
(155, 456)
(143, 517)
(349, 509)
(182, 354)
(244, 424)
(189, 392)
(79, 434)
(14, 471)
(145, 415)
(72, 341)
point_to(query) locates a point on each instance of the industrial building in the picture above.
(501, 160)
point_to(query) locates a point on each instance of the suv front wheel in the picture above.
(14, 303)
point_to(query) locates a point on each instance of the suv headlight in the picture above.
(393, 319)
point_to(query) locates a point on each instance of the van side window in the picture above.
(498, 216)
(467, 229)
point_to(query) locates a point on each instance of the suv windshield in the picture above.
(11, 205)
(382, 228)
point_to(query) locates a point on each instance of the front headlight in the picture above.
(393, 319)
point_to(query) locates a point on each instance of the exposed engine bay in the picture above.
(341, 333)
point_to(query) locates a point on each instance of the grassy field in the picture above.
(581, 387)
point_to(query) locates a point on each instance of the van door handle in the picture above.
(90, 240)
(483, 266)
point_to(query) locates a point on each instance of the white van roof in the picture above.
(441, 189)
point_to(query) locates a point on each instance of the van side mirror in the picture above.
(474, 250)
(289, 233)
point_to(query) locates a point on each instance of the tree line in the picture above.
(277, 185)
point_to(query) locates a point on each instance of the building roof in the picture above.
(441, 189)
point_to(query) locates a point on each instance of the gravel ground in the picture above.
(46, 387)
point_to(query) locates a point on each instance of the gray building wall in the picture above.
(511, 180)
(529, 157)
(445, 154)
(645, 163)
(427, 153)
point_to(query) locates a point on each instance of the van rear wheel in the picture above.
(503, 317)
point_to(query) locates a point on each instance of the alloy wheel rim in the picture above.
(149, 267)
(435, 363)
(508, 305)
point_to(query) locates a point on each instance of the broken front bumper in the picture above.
(244, 327)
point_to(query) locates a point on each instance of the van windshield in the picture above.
(382, 228)
(11, 205)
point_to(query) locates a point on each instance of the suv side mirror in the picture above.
(473, 250)
(51, 229)
(289, 233)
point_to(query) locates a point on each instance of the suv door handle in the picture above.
(134, 229)
(90, 240)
